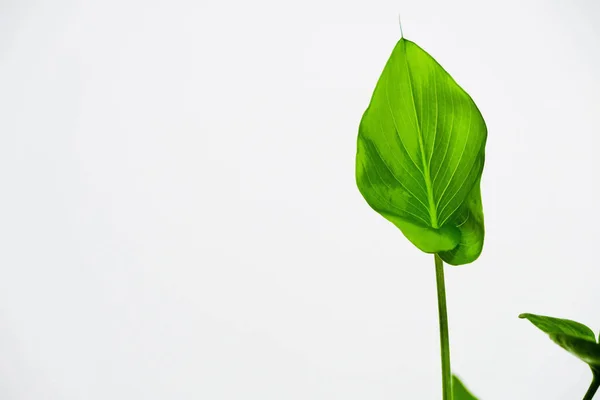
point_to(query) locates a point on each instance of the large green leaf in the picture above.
(572, 336)
(459, 391)
(420, 155)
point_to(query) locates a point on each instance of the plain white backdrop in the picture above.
(179, 217)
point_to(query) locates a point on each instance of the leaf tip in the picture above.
(400, 23)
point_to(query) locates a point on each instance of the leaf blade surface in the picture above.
(552, 325)
(586, 351)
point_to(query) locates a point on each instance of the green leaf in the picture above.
(572, 336)
(588, 352)
(459, 391)
(420, 156)
(552, 325)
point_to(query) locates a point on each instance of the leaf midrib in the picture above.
(426, 172)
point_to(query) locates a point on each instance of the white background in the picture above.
(179, 217)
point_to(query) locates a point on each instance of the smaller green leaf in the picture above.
(572, 336)
(585, 350)
(552, 325)
(459, 391)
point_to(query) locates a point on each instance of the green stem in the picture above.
(444, 337)
(593, 388)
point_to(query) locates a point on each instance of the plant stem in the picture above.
(593, 388)
(444, 337)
